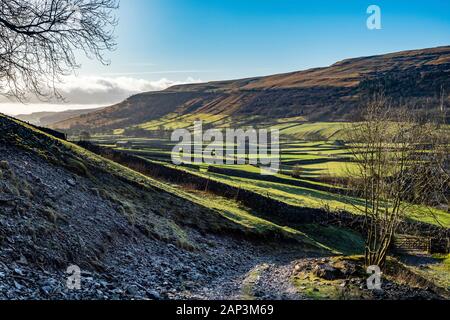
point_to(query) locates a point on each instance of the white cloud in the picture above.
(94, 89)
(89, 91)
(141, 73)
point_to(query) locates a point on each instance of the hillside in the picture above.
(132, 236)
(322, 94)
(47, 118)
(137, 238)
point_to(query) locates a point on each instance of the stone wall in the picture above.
(263, 205)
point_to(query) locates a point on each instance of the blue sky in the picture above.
(163, 42)
(221, 39)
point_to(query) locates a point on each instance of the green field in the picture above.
(313, 149)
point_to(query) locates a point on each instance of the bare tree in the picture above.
(39, 41)
(400, 168)
(85, 136)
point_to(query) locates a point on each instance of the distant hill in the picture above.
(332, 93)
(48, 118)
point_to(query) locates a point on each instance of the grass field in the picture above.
(314, 149)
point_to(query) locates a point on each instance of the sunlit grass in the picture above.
(317, 159)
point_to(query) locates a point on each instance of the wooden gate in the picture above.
(412, 244)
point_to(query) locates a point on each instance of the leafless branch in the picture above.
(40, 39)
(402, 167)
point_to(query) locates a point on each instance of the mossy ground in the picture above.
(438, 271)
(315, 288)
(248, 284)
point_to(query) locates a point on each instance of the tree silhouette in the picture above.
(40, 39)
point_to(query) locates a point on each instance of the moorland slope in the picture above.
(416, 77)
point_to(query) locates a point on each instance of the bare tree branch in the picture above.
(402, 167)
(39, 40)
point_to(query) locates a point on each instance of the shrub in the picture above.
(297, 171)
